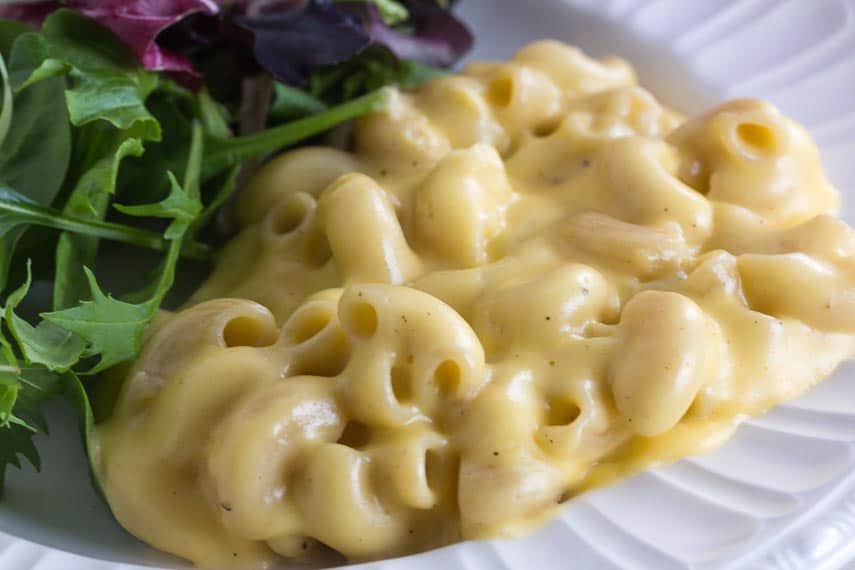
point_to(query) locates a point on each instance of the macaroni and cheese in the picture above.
(522, 282)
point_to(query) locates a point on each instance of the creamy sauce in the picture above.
(525, 281)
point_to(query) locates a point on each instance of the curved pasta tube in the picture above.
(461, 112)
(639, 176)
(648, 250)
(617, 113)
(503, 480)
(746, 152)
(254, 453)
(291, 231)
(462, 288)
(523, 97)
(573, 71)
(308, 170)
(215, 324)
(288, 241)
(437, 354)
(340, 506)
(739, 230)
(579, 424)
(316, 342)
(199, 394)
(416, 464)
(783, 355)
(798, 286)
(460, 207)
(458, 288)
(401, 135)
(365, 237)
(714, 276)
(545, 310)
(378, 390)
(670, 349)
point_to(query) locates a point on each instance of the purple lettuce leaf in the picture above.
(32, 14)
(136, 22)
(437, 37)
(287, 38)
(291, 39)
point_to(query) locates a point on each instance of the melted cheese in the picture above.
(524, 281)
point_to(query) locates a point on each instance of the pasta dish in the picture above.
(518, 283)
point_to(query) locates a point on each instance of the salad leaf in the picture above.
(16, 210)
(212, 116)
(178, 206)
(220, 197)
(436, 38)
(88, 200)
(35, 154)
(74, 390)
(183, 207)
(136, 22)
(107, 82)
(99, 182)
(23, 390)
(175, 112)
(302, 36)
(31, 62)
(5, 102)
(391, 12)
(31, 13)
(9, 32)
(113, 329)
(370, 70)
(292, 103)
(47, 344)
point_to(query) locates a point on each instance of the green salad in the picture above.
(125, 129)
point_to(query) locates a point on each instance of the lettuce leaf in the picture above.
(137, 23)
(291, 42)
(434, 36)
(112, 328)
(89, 200)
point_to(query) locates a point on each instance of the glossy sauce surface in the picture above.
(524, 281)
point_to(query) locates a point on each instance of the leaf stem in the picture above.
(223, 154)
(39, 215)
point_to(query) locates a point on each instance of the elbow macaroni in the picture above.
(525, 281)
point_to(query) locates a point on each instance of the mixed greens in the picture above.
(124, 128)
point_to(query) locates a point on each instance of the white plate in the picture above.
(780, 495)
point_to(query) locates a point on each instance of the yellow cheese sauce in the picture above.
(523, 281)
